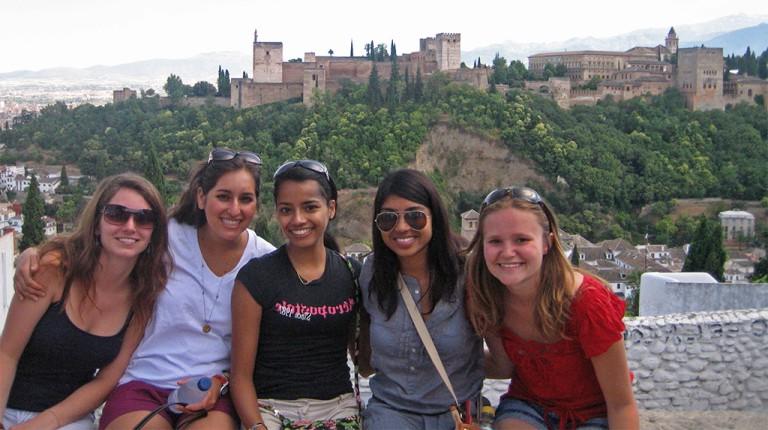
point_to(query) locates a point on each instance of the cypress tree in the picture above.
(575, 256)
(351, 48)
(373, 94)
(33, 230)
(706, 253)
(154, 172)
(408, 86)
(63, 178)
(418, 88)
(393, 92)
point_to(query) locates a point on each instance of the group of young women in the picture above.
(276, 325)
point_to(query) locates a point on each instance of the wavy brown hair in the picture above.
(486, 293)
(205, 176)
(79, 252)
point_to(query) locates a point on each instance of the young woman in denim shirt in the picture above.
(412, 237)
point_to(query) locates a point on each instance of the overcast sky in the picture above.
(36, 34)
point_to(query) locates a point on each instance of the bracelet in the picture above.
(257, 426)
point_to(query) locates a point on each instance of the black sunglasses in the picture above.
(119, 214)
(312, 166)
(226, 154)
(386, 221)
(518, 193)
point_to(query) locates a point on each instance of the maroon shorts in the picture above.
(139, 396)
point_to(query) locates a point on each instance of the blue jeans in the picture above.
(379, 416)
(534, 415)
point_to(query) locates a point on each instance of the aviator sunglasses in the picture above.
(415, 219)
(119, 214)
(226, 154)
(518, 193)
(311, 165)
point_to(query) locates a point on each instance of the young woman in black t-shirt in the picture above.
(292, 311)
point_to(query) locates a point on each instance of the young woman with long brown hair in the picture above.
(102, 284)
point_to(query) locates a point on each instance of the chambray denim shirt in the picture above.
(405, 377)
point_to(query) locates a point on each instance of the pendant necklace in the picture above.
(207, 314)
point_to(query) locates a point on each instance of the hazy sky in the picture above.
(36, 34)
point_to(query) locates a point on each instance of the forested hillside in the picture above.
(606, 161)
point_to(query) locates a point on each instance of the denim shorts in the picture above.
(529, 413)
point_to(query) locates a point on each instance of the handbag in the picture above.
(461, 423)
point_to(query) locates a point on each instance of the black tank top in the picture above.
(58, 359)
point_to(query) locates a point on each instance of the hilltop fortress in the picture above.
(698, 73)
(274, 79)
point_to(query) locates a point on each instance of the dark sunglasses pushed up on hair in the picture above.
(517, 193)
(226, 154)
(119, 215)
(312, 166)
(387, 220)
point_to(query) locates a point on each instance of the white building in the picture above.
(737, 224)
(6, 274)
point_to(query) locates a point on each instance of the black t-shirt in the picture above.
(304, 328)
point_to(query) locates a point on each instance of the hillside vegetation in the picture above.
(597, 165)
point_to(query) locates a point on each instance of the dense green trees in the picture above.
(603, 163)
(175, 87)
(33, 230)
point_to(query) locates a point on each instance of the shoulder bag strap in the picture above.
(426, 339)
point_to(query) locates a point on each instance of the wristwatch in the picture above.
(258, 426)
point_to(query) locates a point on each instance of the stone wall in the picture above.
(695, 362)
(247, 93)
(704, 361)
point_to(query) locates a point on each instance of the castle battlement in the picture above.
(454, 36)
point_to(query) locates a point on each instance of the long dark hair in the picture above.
(300, 174)
(442, 251)
(79, 252)
(204, 177)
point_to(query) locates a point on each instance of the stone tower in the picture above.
(448, 50)
(267, 61)
(671, 41)
(700, 77)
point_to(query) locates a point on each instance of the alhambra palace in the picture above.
(698, 73)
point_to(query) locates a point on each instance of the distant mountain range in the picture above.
(141, 74)
(732, 33)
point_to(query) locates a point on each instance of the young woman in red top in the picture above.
(556, 331)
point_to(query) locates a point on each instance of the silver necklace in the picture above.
(207, 314)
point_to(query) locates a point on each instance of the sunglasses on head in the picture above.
(119, 214)
(518, 193)
(386, 221)
(225, 154)
(312, 166)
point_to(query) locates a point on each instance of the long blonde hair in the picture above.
(486, 293)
